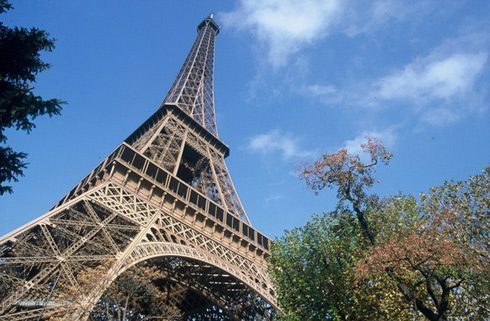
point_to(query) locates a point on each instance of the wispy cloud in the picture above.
(277, 142)
(369, 16)
(285, 26)
(273, 198)
(440, 88)
(327, 94)
(387, 137)
(441, 116)
(433, 78)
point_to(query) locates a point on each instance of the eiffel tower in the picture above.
(163, 198)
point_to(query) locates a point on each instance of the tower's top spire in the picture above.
(209, 21)
(193, 89)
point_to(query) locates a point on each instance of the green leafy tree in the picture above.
(397, 258)
(314, 271)
(20, 62)
(437, 249)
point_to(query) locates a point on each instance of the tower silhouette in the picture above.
(164, 198)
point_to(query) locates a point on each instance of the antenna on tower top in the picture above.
(209, 21)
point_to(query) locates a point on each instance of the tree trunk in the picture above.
(125, 308)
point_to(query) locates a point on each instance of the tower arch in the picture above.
(203, 283)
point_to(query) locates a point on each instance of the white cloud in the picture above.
(273, 198)
(440, 88)
(440, 116)
(369, 16)
(327, 94)
(439, 78)
(387, 137)
(276, 141)
(285, 26)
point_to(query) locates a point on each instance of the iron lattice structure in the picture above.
(164, 197)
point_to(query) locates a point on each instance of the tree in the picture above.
(313, 268)
(409, 258)
(437, 250)
(20, 62)
(351, 177)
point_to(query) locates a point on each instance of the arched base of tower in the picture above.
(60, 266)
(178, 288)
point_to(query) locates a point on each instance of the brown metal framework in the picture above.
(163, 197)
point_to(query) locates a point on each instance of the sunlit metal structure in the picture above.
(164, 196)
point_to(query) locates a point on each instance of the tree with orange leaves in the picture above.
(350, 176)
(419, 259)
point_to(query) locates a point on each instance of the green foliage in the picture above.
(442, 248)
(11, 166)
(310, 268)
(313, 268)
(20, 62)
(397, 258)
(465, 210)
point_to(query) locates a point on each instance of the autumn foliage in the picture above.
(350, 176)
(394, 258)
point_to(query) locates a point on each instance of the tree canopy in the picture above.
(395, 258)
(20, 62)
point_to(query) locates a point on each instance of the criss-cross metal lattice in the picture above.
(193, 89)
(164, 198)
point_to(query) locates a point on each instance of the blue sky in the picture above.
(293, 79)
